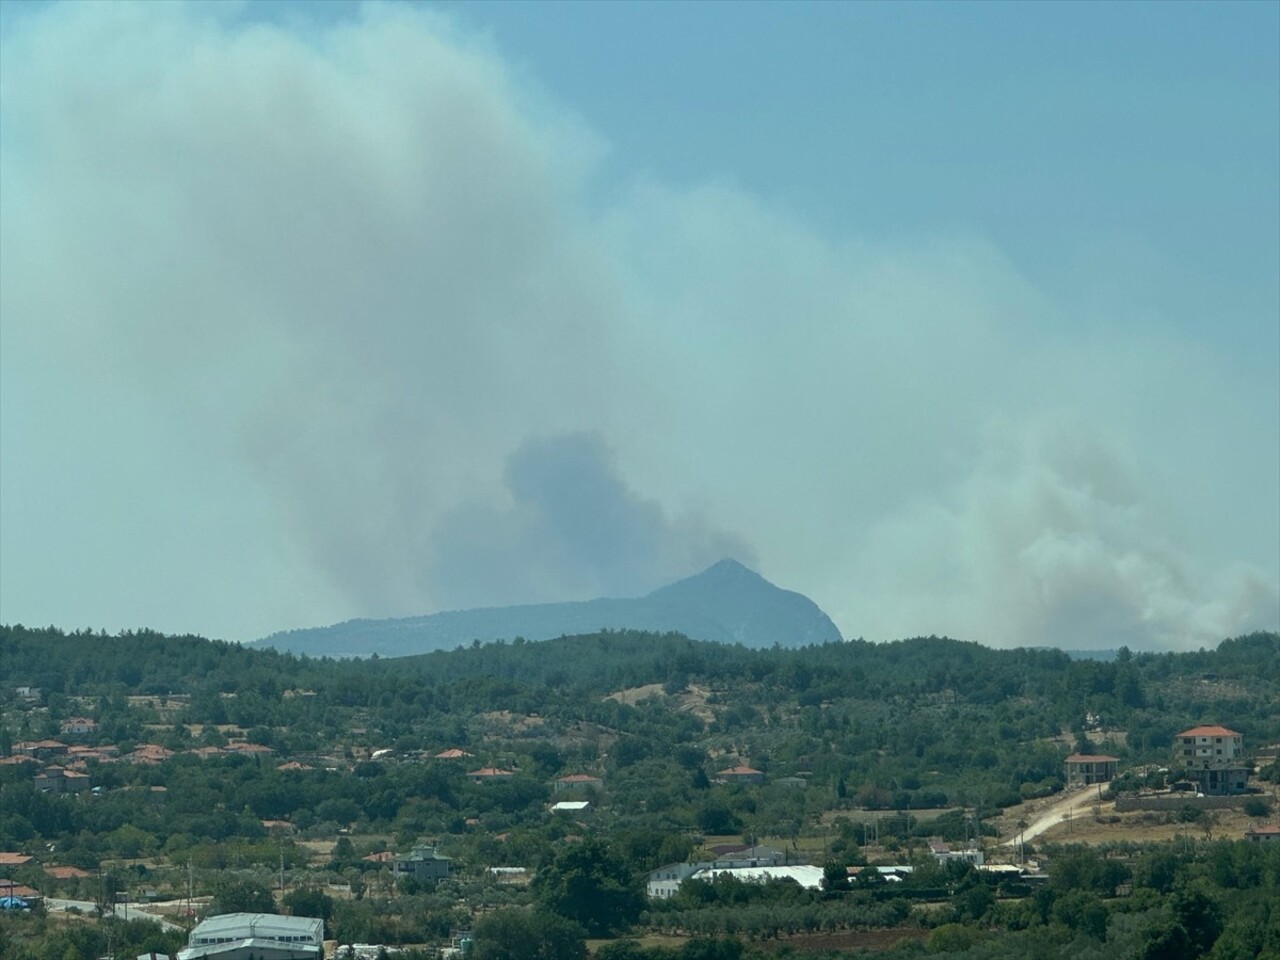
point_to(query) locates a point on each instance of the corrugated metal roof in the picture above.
(258, 925)
(803, 874)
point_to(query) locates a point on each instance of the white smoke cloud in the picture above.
(382, 333)
(1049, 541)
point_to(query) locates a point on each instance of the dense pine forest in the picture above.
(273, 781)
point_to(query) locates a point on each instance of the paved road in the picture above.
(133, 912)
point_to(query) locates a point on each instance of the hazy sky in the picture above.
(958, 318)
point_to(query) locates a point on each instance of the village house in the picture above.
(58, 872)
(78, 727)
(28, 895)
(56, 779)
(453, 753)
(740, 774)
(1269, 834)
(1213, 758)
(80, 756)
(489, 774)
(149, 754)
(11, 860)
(665, 880)
(1085, 769)
(944, 854)
(1198, 744)
(421, 863)
(40, 749)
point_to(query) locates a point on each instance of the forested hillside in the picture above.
(931, 737)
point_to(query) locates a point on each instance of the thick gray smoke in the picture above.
(302, 323)
(573, 530)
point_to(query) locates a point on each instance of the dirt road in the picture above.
(1073, 803)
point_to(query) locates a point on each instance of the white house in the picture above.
(1214, 758)
(1215, 744)
(666, 880)
(943, 853)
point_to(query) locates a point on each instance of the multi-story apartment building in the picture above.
(1214, 758)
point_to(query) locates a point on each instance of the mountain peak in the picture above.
(727, 603)
(730, 566)
(754, 611)
(720, 575)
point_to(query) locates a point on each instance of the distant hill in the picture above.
(726, 603)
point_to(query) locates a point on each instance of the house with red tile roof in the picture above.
(66, 873)
(453, 753)
(150, 754)
(1213, 757)
(490, 774)
(1209, 742)
(103, 754)
(40, 749)
(9, 888)
(1268, 834)
(56, 779)
(78, 726)
(741, 774)
(10, 859)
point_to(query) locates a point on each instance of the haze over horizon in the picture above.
(959, 319)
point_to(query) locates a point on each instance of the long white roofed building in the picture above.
(255, 936)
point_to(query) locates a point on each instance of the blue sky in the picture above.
(960, 318)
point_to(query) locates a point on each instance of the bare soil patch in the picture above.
(633, 695)
(692, 699)
(1148, 826)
